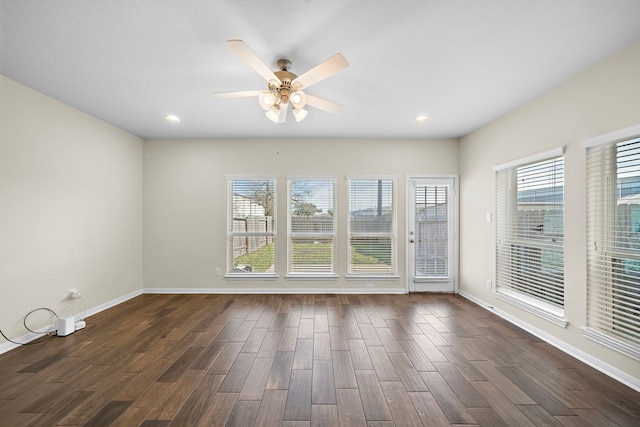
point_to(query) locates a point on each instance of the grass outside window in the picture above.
(311, 253)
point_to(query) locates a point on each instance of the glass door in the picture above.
(432, 234)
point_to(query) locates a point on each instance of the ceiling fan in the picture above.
(284, 87)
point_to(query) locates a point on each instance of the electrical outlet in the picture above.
(73, 293)
(489, 284)
(218, 272)
(370, 285)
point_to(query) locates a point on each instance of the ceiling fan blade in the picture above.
(321, 71)
(242, 50)
(239, 94)
(323, 104)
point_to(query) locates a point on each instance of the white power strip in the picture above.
(68, 325)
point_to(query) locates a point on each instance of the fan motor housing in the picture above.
(285, 77)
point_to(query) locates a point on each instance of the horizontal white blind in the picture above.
(431, 231)
(251, 225)
(311, 225)
(371, 225)
(530, 230)
(613, 252)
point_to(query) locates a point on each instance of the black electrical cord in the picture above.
(24, 322)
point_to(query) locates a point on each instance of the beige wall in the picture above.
(185, 200)
(70, 207)
(603, 99)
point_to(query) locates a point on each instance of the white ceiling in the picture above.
(462, 62)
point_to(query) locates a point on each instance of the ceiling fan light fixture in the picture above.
(298, 99)
(273, 113)
(300, 114)
(267, 100)
(277, 113)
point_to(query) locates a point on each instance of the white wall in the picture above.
(185, 207)
(602, 99)
(70, 207)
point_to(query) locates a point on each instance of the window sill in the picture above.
(251, 276)
(431, 279)
(311, 276)
(612, 343)
(352, 276)
(545, 311)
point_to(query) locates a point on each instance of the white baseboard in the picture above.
(7, 346)
(594, 362)
(274, 291)
(113, 303)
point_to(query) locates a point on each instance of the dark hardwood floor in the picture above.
(304, 360)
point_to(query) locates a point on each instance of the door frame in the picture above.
(454, 217)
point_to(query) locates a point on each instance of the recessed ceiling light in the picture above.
(422, 118)
(172, 118)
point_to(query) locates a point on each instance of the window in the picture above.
(613, 250)
(251, 226)
(530, 230)
(312, 226)
(372, 226)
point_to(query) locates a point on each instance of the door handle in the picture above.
(411, 241)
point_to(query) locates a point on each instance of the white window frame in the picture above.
(291, 234)
(392, 235)
(602, 249)
(505, 292)
(231, 233)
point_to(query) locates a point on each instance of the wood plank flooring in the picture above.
(304, 360)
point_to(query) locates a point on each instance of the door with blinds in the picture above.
(432, 241)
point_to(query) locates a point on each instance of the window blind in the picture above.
(530, 231)
(251, 223)
(431, 232)
(311, 226)
(613, 230)
(371, 224)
